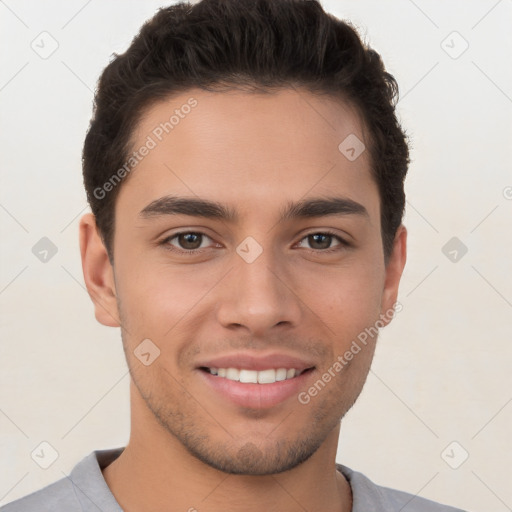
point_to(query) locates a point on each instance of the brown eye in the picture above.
(190, 240)
(323, 242)
(186, 241)
(320, 241)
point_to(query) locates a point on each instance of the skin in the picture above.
(194, 447)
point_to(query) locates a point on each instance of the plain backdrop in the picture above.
(435, 416)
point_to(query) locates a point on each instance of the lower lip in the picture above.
(256, 396)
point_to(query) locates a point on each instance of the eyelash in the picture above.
(192, 252)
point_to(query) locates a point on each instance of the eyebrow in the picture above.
(196, 207)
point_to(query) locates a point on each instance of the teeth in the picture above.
(266, 376)
(248, 376)
(256, 377)
(232, 374)
(281, 374)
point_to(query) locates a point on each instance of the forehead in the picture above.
(244, 146)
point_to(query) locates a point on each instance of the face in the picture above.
(247, 261)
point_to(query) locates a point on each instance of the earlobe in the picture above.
(394, 270)
(98, 272)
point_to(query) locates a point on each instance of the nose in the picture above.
(258, 296)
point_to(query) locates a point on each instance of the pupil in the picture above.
(323, 245)
(189, 240)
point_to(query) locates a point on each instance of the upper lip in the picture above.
(249, 361)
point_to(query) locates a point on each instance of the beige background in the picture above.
(442, 368)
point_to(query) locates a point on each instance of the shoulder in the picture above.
(369, 496)
(84, 489)
(57, 496)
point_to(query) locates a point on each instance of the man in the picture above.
(245, 171)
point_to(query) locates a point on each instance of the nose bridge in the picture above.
(257, 295)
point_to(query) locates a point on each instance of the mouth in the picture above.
(249, 376)
(255, 380)
(261, 388)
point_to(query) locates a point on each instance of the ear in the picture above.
(98, 273)
(394, 269)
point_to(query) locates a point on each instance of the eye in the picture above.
(188, 241)
(322, 241)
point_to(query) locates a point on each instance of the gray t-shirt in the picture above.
(85, 490)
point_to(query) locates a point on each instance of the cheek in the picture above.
(350, 307)
(156, 300)
(346, 298)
